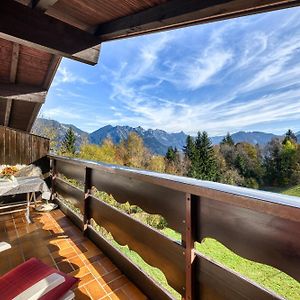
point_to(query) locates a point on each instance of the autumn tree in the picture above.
(106, 152)
(132, 151)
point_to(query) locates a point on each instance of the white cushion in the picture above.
(4, 246)
(41, 288)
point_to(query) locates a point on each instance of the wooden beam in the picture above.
(14, 62)
(21, 23)
(55, 61)
(7, 112)
(42, 4)
(89, 56)
(22, 92)
(34, 114)
(178, 13)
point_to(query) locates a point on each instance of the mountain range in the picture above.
(156, 140)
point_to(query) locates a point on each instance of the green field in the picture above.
(292, 191)
(264, 275)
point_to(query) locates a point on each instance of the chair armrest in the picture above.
(41, 288)
(4, 246)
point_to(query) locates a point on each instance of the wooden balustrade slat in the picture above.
(257, 236)
(152, 198)
(154, 248)
(216, 282)
(71, 171)
(72, 194)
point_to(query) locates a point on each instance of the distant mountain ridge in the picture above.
(255, 137)
(156, 140)
(41, 124)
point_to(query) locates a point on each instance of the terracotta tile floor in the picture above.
(56, 241)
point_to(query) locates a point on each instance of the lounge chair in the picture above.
(33, 280)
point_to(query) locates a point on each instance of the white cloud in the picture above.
(204, 68)
(64, 75)
(221, 77)
(60, 113)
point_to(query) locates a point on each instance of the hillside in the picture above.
(41, 125)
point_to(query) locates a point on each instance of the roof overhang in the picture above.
(35, 34)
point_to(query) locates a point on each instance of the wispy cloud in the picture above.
(64, 75)
(61, 113)
(227, 76)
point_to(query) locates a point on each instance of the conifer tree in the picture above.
(68, 144)
(290, 136)
(203, 162)
(171, 154)
(189, 148)
(227, 140)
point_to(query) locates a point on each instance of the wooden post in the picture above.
(188, 242)
(53, 178)
(87, 194)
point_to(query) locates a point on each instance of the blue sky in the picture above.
(241, 74)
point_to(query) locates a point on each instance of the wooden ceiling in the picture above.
(37, 33)
(75, 28)
(25, 76)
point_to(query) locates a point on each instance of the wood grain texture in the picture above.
(71, 171)
(18, 147)
(216, 282)
(35, 27)
(156, 249)
(178, 13)
(151, 198)
(257, 236)
(14, 62)
(150, 288)
(72, 194)
(22, 92)
(223, 212)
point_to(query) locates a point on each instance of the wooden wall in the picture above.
(18, 147)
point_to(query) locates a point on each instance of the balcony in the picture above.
(256, 225)
(85, 235)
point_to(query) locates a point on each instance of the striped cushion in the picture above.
(30, 272)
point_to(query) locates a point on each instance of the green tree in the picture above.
(227, 140)
(189, 148)
(173, 162)
(282, 163)
(171, 154)
(68, 144)
(203, 162)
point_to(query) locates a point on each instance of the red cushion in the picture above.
(27, 274)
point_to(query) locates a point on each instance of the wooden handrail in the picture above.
(257, 225)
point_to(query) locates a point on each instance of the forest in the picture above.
(277, 164)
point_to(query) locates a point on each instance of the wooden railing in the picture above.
(261, 226)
